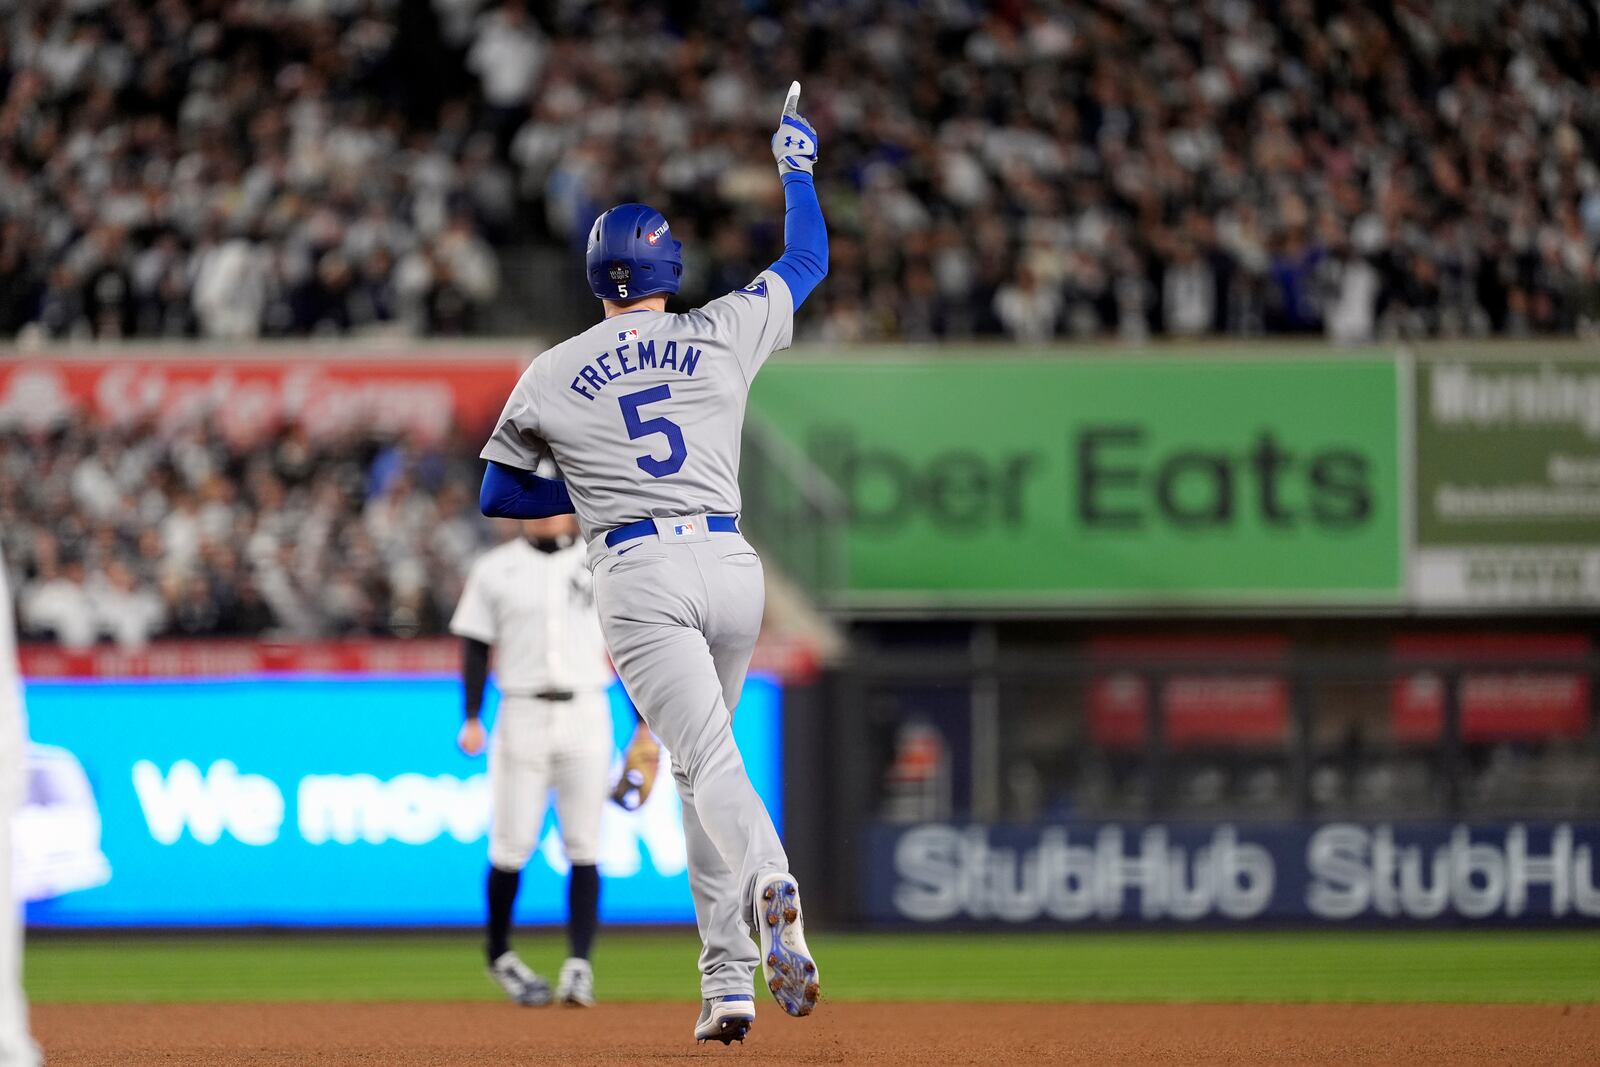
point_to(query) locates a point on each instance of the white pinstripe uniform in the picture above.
(537, 608)
(16, 1047)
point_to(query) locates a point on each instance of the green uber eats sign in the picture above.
(1105, 482)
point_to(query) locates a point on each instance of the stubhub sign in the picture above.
(1104, 873)
(311, 800)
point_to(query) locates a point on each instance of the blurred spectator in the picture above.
(133, 533)
(56, 603)
(506, 55)
(1026, 309)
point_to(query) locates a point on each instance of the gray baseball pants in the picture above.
(681, 612)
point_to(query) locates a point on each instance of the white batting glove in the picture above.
(794, 146)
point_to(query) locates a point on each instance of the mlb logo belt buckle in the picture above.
(682, 528)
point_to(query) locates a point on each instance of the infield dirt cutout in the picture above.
(480, 1035)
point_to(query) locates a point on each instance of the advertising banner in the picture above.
(1508, 482)
(309, 799)
(1241, 700)
(1103, 483)
(424, 392)
(1090, 874)
(1529, 698)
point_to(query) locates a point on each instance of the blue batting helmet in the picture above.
(631, 254)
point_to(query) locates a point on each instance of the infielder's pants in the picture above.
(539, 745)
(681, 619)
(16, 1048)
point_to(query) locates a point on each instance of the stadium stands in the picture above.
(125, 534)
(1031, 171)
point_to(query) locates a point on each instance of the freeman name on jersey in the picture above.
(594, 375)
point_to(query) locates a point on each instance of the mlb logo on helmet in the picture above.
(655, 236)
(683, 528)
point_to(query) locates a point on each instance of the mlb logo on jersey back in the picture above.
(627, 335)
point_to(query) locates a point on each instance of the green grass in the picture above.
(1376, 966)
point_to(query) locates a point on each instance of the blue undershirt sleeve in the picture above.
(511, 493)
(804, 262)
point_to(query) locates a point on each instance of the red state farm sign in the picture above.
(423, 393)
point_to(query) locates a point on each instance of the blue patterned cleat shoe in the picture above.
(726, 1019)
(786, 963)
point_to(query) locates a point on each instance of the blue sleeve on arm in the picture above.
(804, 262)
(511, 493)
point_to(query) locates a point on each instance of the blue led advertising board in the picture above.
(316, 800)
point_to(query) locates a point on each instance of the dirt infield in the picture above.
(482, 1035)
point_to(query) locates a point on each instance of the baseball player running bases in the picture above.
(642, 413)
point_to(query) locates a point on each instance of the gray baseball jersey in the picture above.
(643, 411)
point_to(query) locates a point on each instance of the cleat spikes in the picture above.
(791, 974)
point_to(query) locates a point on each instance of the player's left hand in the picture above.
(472, 737)
(639, 767)
(794, 146)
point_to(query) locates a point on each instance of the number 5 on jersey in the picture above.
(637, 428)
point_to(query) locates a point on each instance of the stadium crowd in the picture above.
(124, 534)
(235, 169)
(1024, 169)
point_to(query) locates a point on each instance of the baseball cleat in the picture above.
(786, 962)
(726, 1019)
(576, 984)
(519, 981)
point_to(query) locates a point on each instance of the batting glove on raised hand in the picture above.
(794, 146)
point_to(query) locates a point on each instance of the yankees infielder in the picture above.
(532, 598)
(16, 1047)
(642, 413)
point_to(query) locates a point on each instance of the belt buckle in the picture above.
(681, 529)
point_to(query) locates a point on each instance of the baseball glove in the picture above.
(638, 771)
